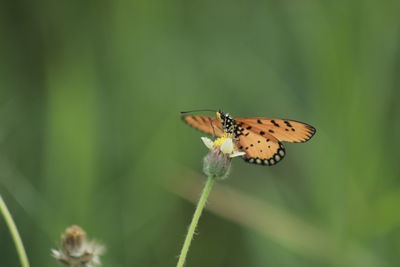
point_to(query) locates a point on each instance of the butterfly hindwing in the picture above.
(283, 130)
(205, 124)
(260, 149)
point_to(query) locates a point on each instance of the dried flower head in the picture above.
(76, 251)
(217, 162)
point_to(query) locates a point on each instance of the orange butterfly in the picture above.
(259, 138)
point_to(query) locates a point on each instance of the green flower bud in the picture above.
(216, 164)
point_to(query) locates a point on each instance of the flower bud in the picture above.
(216, 164)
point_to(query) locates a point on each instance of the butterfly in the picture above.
(260, 138)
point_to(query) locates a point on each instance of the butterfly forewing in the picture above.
(283, 130)
(205, 124)
(260, 149)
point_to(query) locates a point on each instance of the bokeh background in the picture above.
(90, 131)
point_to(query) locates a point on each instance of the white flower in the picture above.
(225, 145)
(208, 142)
(217, 162)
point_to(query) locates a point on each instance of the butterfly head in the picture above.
(223, 117)
(220, 115)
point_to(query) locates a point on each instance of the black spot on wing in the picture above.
(287, 123)
(274, 123)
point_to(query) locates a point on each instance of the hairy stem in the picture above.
(14, 233)
(192, 227)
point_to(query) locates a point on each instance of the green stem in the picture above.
(192, 228)
(14, 233)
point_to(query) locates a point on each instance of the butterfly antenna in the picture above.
(198, 110)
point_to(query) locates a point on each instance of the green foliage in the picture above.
(90, 134)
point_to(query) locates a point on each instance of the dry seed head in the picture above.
(76, 251)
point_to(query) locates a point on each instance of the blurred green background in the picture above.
(90, 131)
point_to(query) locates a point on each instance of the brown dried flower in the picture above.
(76, 251)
